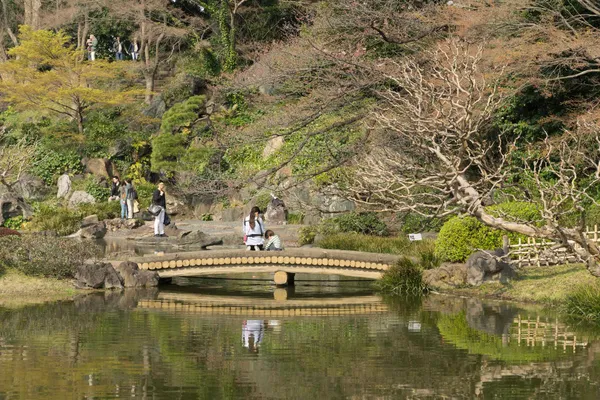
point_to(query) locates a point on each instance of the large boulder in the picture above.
(89, 220)
(446, 276)
(176, 206)
(273, 144)
(132, 276)
(80, 197)
(31, 187)
(97, 276)
(488, 265)
(93, 231)
(64, 186)
(12, 205)
(232, 214)
(198, 238)
(276, 211)
(100, 167)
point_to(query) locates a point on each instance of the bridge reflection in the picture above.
(280, 306)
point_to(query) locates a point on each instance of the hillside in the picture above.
(415, 109)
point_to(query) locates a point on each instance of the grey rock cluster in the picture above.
(104, 276)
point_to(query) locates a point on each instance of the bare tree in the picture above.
(438, 155)
(15, 159)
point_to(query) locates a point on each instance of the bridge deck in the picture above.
(306, 260)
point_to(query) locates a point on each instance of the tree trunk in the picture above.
(10, 32)
(150, 78)
(32, 13)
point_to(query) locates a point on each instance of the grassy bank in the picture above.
(18, 289)
(545, 285)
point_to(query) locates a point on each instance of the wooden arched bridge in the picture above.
(284, 263)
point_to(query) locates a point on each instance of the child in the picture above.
(273, 241)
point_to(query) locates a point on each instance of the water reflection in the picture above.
(185, 343)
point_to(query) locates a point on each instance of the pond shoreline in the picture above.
(545, 286)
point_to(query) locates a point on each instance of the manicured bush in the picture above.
(461, 236)
(404, 277)
(39, 255)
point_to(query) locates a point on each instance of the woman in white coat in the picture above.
(254, 229)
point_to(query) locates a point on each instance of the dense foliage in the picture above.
(462, 236)
(39, 255)
(404, 277)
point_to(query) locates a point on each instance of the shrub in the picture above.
(366, 243)
(14, 222)
(58, 219)
(404, 277)
(144, 190)
(104, 210)
(367, 223)
(50, 164)
(584, 303)
(461, 236)
(295, 218)
(307, 234)
(38, 255)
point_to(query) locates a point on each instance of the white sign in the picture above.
(415, 236)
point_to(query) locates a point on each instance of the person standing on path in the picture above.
(118, 49)
(158, 199)
(131, 197)
(134, 49)
(92, 43)
(114, 190)
(123, 200)
(254, 229)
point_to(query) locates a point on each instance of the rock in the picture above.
(273, 144)
(198, 238)
(93, 231)
(447, 276)
(113, 279)
(31, 187)
(233, 214)
(487, 265)
(80, 197)
(116, 224)
(276, 212)
(64, 186)
(100, 167)
(132, 276)
(12, 205)
(175, 206)
(89, 220)
(97, 276)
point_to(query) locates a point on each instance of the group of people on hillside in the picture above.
(126, 194)
(118, 48)
(253, 226)
(255, 233)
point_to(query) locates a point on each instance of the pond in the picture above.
(324, 339)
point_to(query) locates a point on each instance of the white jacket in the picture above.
(254, 236)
